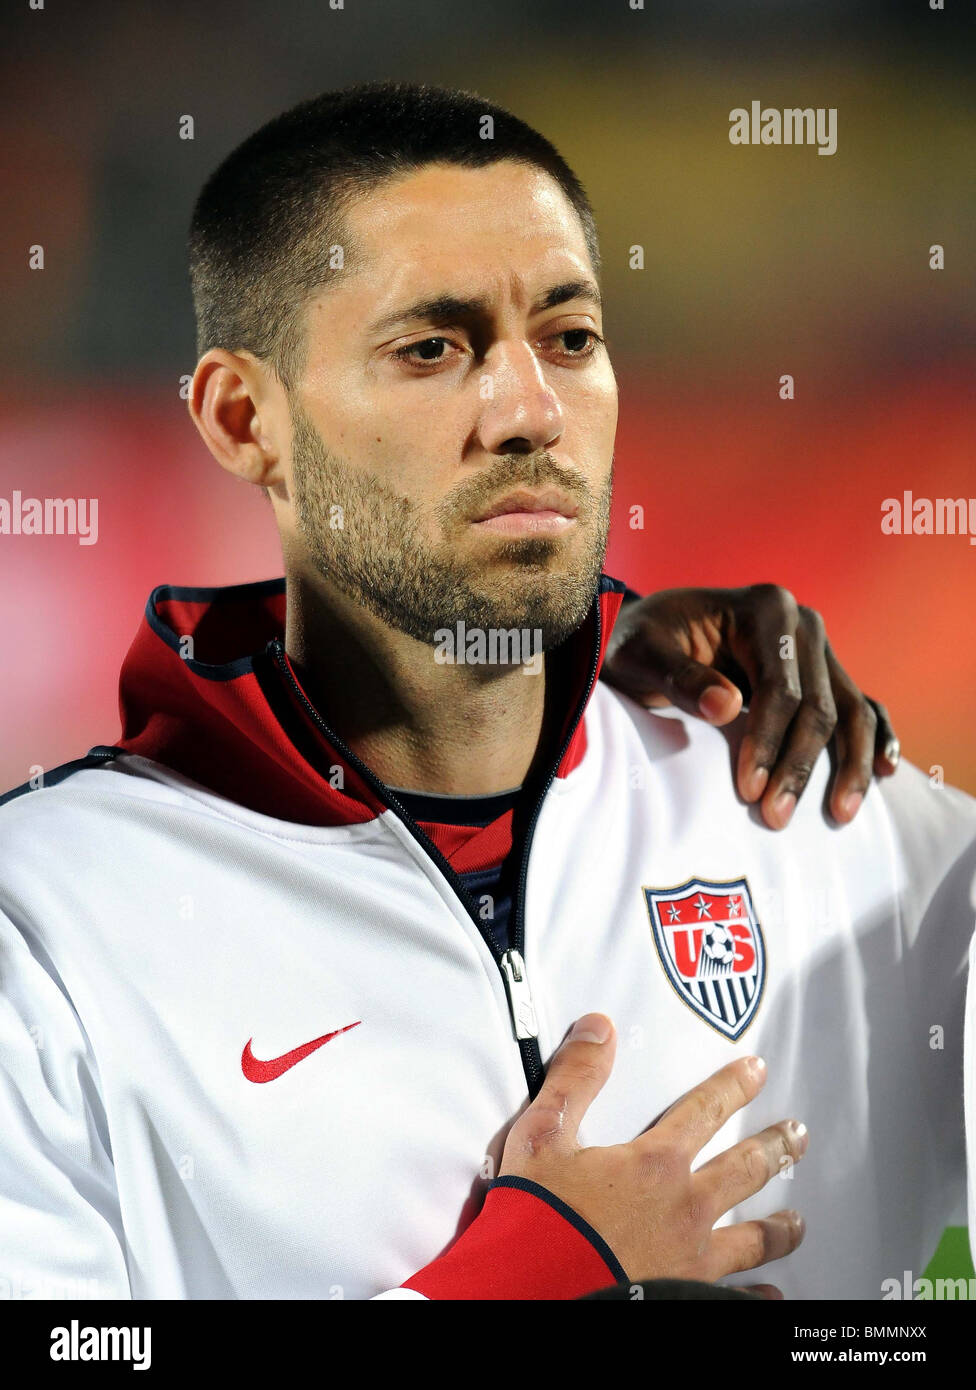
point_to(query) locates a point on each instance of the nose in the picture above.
(521, 411)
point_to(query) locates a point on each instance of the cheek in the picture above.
(414, 455)
(592, 410)
(407, 469)
(609, 398)
(594, 391)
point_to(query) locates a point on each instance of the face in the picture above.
(453, 432)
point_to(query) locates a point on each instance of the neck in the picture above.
(462, 730)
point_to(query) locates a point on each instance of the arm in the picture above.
(60, 1223)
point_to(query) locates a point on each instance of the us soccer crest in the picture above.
(712, 949)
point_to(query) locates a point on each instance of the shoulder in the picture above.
(927, 810)
(67, 819)
(919, 825)
(932, 830)
(47, 778)
(616, 720)
(94, 784)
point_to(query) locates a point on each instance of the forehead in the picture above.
(448, 227)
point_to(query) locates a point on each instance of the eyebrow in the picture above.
(446, 308)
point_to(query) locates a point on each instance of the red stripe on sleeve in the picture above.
(520, 1246)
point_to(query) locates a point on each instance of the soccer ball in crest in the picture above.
(718, 945)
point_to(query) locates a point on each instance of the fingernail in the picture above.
(593, 1028)
(782, 807)
(756, 783)
(801, 1134)
(714, 702)
(892, 751)
(758, 1068)
(850, 803)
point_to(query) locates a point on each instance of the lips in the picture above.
(522, 501)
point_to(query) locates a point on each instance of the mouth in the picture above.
(529, 513)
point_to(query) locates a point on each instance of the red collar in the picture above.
(207, 690)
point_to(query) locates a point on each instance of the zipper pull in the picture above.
(519, 995)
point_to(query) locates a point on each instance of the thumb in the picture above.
(702, 691)
(657, 672)
(577, 1074)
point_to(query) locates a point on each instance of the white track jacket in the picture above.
(255, 1042)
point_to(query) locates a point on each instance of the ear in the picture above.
(241, 411)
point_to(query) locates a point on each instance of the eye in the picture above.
(426, 350)
(577, 342)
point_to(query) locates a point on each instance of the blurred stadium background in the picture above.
(758, 262)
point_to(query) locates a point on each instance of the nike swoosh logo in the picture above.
(256, 1070)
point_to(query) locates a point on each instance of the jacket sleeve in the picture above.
(60, 1223)
(525, 1243)
(933, 835)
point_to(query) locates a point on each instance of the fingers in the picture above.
(747, 1167)
(797, 709)
(769, 1291)
(652, 657)
(691, 685)
(887, 749)
(631, 656)
(857, 741)
(696, 688)
(576, 1075)
(765, 646)
(811, 727)
(668, 648)
(753, 1243)
(702, 1111)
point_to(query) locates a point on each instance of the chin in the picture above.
(553, 601)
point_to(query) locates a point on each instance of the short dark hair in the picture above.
(265, 220)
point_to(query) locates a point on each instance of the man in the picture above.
(370, 900)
